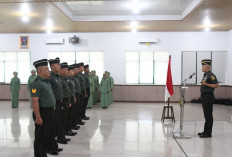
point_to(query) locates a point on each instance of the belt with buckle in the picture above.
(47, 108)
(58, 101)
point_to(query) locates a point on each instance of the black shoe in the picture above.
(88, 107)
(85, 118)
(205, 135)
(62, 141)
(53, 152)
(104, 107)
(70, 133)
(81, 123)
(59, 149)
(75, 127)
(200, 133)
(67, 139)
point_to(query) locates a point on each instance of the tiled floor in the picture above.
(123, 130)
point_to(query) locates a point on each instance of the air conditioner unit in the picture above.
(54, 41)
(148, 40)
(74, 40)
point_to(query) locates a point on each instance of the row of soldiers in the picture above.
(106, 88)
(59, 99)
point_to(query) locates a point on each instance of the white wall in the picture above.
(115, 44)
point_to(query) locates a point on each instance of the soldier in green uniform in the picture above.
(30, 80)
(84, 94)
(208, 84)
(55, 82)
(76, 78)
(87, 84)
(65, 105)
(71, 122)
(43, 104)
(96, 84)
(104, 90)
(14, 89)
(92, 87)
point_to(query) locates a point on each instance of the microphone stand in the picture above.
(182, 87)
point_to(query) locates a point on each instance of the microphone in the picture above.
(192, 75)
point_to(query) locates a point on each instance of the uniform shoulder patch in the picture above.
(33, 90)
(213, 77)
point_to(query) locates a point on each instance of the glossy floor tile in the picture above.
(123, 130)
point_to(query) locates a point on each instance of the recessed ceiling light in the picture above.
(134, 24)
(134, 30)
(207, 22)
(49, 31)
(25, 18)
(49, 24)
(25, 11)
(207, 29)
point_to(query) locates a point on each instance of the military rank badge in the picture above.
(212, 77)
(33, 91)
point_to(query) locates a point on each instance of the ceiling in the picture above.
(39, 16)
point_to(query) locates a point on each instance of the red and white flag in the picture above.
(169, 87)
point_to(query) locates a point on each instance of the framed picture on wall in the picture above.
(24, 42)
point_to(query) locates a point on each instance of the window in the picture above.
(160, 67)
(14, 61)
(95, 59)
(132, 67)
(146, 67)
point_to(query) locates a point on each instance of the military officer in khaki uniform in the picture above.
(208, 84)
(43, 103)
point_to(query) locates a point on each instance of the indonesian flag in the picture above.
(169, 87)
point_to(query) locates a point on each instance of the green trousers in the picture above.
(104, 99)
(90, 102)
(15, 99)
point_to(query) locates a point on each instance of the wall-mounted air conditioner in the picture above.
(148, 40)
(54, 41)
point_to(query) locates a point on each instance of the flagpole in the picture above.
(168, 93)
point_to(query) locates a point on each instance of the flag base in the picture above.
(182, 135)
(166, 114)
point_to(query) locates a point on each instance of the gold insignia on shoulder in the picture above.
(212, 77)
(33, 91)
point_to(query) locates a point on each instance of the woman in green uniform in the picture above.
(104, 90)
(91, 99)
(30, 80)
(14, 89)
